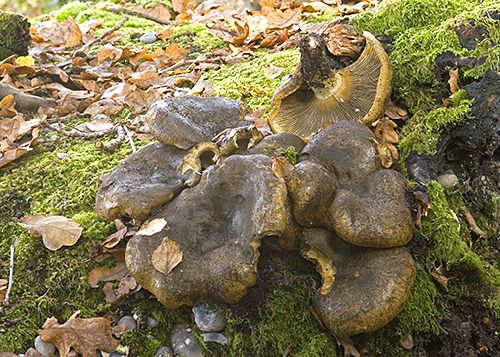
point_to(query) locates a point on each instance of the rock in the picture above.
(151, 322)
(148, 38)
(31, 352)
(234, 206)
(46, 349)
(164, 351)
(186, 121)
(207, 320)
(145, 180)
(370, 286)
(448, 180)
(272, 144)
(128, 322)
(184, 343)
(215, 337)
(14, 34)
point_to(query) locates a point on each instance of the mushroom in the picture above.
(187, 121)
(218, 226)
(370, 286)
(316, 96)
(339, 184)
(145, 180)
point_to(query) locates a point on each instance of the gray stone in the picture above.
(148, 37)
(184, 343)
(448, 180)
(46, 349)
(207, 320)
(215, 337)
(129, 323)
(164, 351)
(151, 322)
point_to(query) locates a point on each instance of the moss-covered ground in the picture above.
(55, 283)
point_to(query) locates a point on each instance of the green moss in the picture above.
(14, 34)
(422, 132)
(290, 153)
(450, 247)
(202, 41)
(246, 81)
(321, 17)
(51, 283)
(423, 29)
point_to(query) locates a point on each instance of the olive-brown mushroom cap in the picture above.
(368, 207)
(145, 180)
(371, 286)
(358, 92)
(187, 121)
(218, 225)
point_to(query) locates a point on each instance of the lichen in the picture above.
(247, 81)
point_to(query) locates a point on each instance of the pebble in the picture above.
(184, 343)
(164, 351)
(448, 180)
(46, 349)
(208, 320)
(215, 337)
(148, 38)
(129, 323)
(61, 155)
(151, 322)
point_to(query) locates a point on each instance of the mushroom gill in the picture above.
(317, 96)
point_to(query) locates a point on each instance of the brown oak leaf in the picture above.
(167, 256)
(85, 336)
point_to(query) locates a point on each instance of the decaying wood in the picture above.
(25, 102)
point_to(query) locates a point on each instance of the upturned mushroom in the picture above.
(366, 288)
(316, 96)
(216, 228)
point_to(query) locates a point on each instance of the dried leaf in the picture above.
(184, 8)
(407, 342)
(127, 286)
(453, 81)
(167, 256)
(272, 71)
(152, 227)
(3, 290)
(315, 6)
(384, 131)
(105, 273)
(282, 168)
(440, 278)
(83, 335)
(115, 238)
(75, 37)
(25, 61)
(395, 112)
(56, 231)
(7, 106)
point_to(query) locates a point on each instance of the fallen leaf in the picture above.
(282, 168)
(25, 61)
(315, 6)
(7, 106)
(395, 112)
(113, 239)
(83, 335)
(56, 231)
(152, 227)
(453, 81)
(167, 256)
(440, 278)
(3, 290)
(407, 342)
(75, 36)
(384, 131)
(105, 273)
(272, 71)
(127, 286)
(184, 8)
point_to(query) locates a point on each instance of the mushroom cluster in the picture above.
(223, 195)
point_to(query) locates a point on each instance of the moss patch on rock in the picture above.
(246, 81)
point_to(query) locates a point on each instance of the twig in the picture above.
(190, 61)
(11, 273)
(118, 25)
(75, 133)
(121, 9)
(25, 102)
(130, 139)
(472, 222)
(113, 143)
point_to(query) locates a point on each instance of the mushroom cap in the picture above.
(371, 286)
(145, 180)
(218, 225)
(187, 121)
(358, 92)
(339, 184)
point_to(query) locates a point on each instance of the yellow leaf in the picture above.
(25, 61)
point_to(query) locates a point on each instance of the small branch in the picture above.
(121, 9)
(130, 139)
(11, 273)
(25, 102)
(472, 222)
(74, 133)
(118, 25)
(113, 143)
(189, 62)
